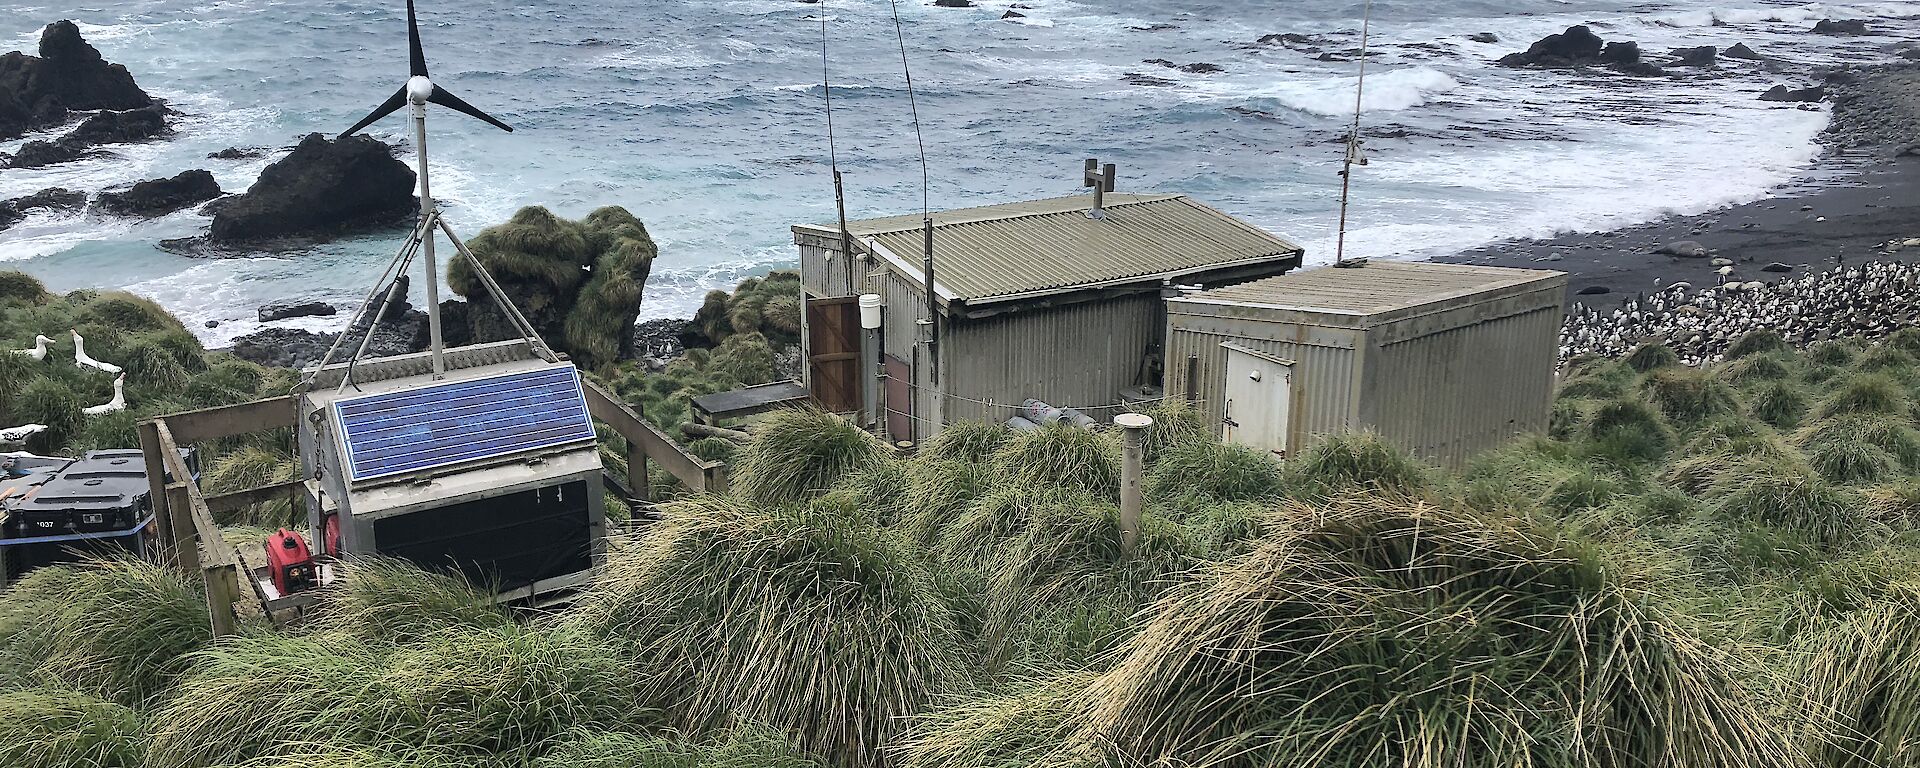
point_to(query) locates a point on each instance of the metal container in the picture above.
(1444, 360)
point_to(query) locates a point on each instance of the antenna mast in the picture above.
(1353, 157)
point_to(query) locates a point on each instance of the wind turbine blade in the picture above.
(416, 58)
(394, 102)
(443, 98)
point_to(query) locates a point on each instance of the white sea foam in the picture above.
(1386, 91)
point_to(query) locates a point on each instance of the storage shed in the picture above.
(1050, 299)
(1444, 360)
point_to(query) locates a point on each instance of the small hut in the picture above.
(1059, 300)
(1443, 359)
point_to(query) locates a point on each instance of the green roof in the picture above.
(1040, 246)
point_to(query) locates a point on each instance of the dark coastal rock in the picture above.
(107, 127)
(1785, 94)
(1197, 68)
(1684, 249)
(51, 198)
(1777, 267)
(323, 188)
(237, 153)
(1847, 28)
(40, 154)
(1699, 56)
(1013, 15)
(295, 348)
(1484, 37)
(1593, 290)
(1136, 78)
(69, 74)
(158, 197)
(1741, 51)
(1570, 48)
(953, 3)
(1290, 39)
(273, 313)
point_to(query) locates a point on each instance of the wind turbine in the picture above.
(418, 92)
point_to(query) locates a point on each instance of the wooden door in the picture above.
(833, 353)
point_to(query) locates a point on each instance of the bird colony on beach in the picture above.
(19, 434)
(1868, 300)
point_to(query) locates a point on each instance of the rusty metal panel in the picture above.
(1079, 355)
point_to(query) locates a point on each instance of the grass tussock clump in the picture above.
(117, 628)
(1688, 396)
(383, 601)
(1652, 356)
(746, 746)
(42, 728)
(1214, 473)
(1860, 683)
(800, 453)
(1759, 368)
(1627, 431)
(822, 626)
(1778, 404)
(300, 692)
(1756, 342)
(1356, 460)
(971, 442)
(1175, 423)
(1063, 456)
(1864, 393)
(1373, 631)
(1827, 515)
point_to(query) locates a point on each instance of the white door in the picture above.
(1259, 395)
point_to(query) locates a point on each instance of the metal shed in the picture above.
(1445, 360)
(1053, 299)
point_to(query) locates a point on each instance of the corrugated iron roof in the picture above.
(1376, 288)
(1042, 245)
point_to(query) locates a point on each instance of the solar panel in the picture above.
(444, 424)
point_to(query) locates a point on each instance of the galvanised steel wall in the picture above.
(1448, 386)
(1326, 370)
(1075, 355)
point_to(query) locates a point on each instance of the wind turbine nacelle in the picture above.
(419, 89)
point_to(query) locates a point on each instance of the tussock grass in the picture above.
(1851, 460)
(1029, 724)
(800, 453)
(1759, 368)
(1652, 356)
(1005, 513)
(1175, 423)
(821, 626)
(1374, 631)
(1063, 456)
(1836, 353)
(1778, 403)
(1884, 358)
(1356, 460)
(1893, 434)
(1827, 516)
(301, 693)
(116, 628)
(746, 746)
(939, 492)
(1627, 431)
(971, 442)
(21, 288)
(1214, 473)
(42, 728)
(252, 466)
(1688, 396)
(385, 601)
(1756, 342)
(1864, 393)
(1860, 705)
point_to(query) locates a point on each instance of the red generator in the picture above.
(290, 562)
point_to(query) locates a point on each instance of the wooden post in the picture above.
(637, 482)
(223, 589)
(167, 553)
(1134, 427)
(186, 546)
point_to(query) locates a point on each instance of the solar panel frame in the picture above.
(461, 422)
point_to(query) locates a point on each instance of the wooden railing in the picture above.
(645, 442)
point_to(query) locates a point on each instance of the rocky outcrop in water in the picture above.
(295, 348)
(158, 197)
(52, 198)
(1578, 46)
(1794, 95)
(1699, 56)
(69, 74)
(322, 189)
(287, 310)
(1843, 28)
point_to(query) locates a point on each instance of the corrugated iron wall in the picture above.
(1455, 392)
(1325, 383)
(1077, 355)
(822, 269)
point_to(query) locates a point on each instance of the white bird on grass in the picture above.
(19, 434)
(118, 403)
(39, 351)
(80, 356)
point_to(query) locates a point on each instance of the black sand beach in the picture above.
(1858, 205)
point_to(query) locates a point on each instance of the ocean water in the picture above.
(705, 118)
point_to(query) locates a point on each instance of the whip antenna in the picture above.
(1353, 157)
(926, 211)
(833, 154)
